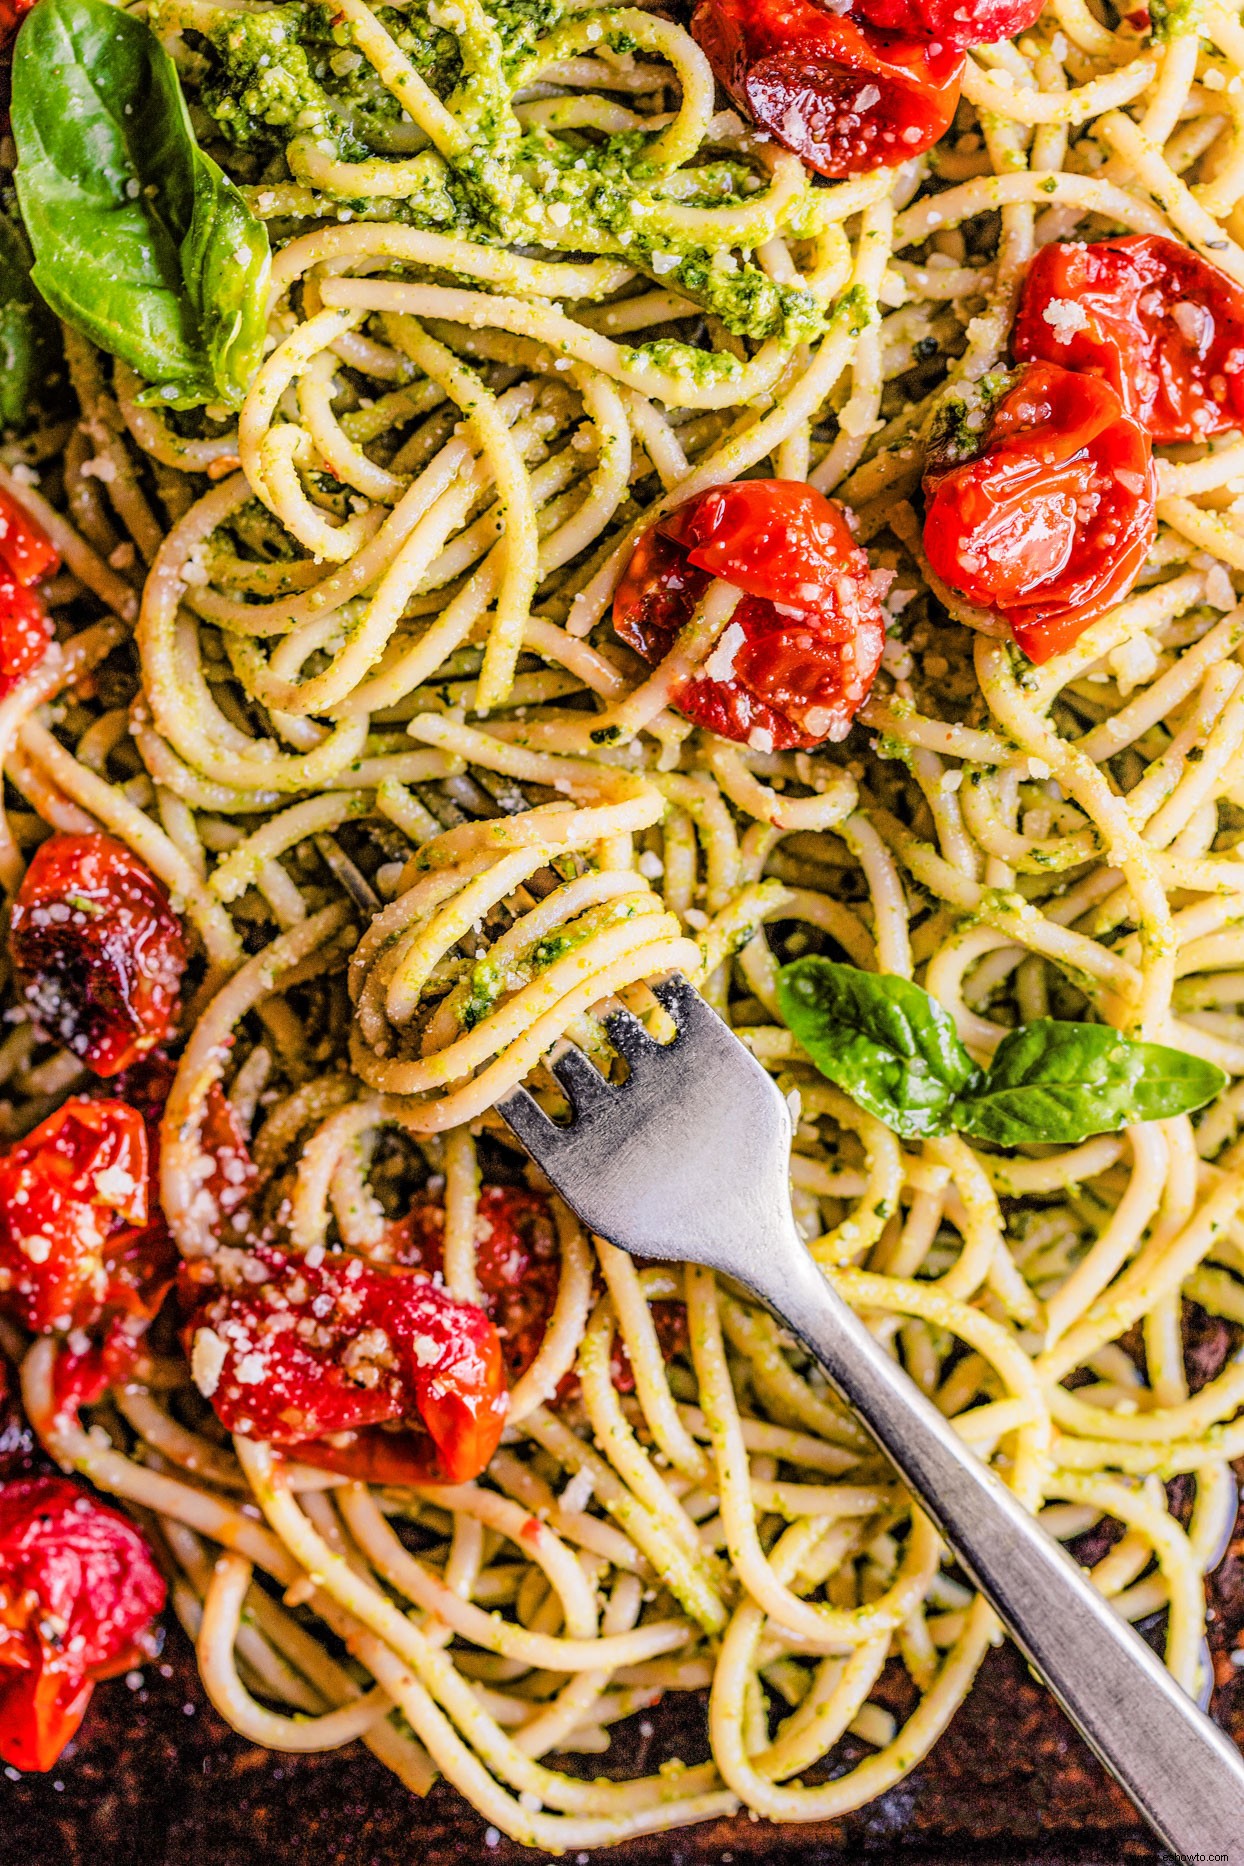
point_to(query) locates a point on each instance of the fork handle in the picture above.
(1183, 1773)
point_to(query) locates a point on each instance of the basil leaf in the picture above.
(29, 337)
(140, 242)
(885, 1041)
(1059, 1082)
(225, 262)
(1173, 1082)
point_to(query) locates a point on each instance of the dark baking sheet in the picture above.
(156, 1779)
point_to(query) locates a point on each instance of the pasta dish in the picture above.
(501, 500)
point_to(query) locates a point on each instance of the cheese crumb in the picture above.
(207, 1360)
(720, 663)
(1064, 317)
(577, 1493)
(1195, 324)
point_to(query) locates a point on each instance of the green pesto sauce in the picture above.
(888, 746)
(292, 71)
(550, 950)
(1172, 19)
(484, 988)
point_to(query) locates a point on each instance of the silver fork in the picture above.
(687, 1161)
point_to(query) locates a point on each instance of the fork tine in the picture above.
(580, 1078)
(524, 1115)
(629, 1037)
(348, 874)
(679, 998)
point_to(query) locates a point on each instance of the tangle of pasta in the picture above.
(342, 677)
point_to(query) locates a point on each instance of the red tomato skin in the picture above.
(80, 1236)
(78, 1591)
(26, 555)
(98, 950)
(12, 13)
(958, 23)
(25, 631)
(841, 95)
(812, 624)
(82, 1375)
(517, 1262)
(518, 1266)
(1180, 384)
(143, 1084)
(24, 545)
(1009, 528)
(234, 1174)
(316, 1350)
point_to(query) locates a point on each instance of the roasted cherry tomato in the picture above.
(78, 1593)
(517, 1262)
(518, 1266)
(234, 1174)
(12, 13)
(798, 656)
(1160, 324)
(294, 1352)
(958, 23)
(669, 1319)
(1050, 522)
(98, 950)
(26, 554)
(843, 96)
(83, 1373)
(25, 631)
(80, 1235)
(143, 1084)
(24, 545)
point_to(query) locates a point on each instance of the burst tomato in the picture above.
(144, 1085)
(1160, 324)
(958, 23)
(26, 554)
(24, 545)
(82, 1374)
(78, 1593)
(517, 1263)
(518, 1267)
(25, 631)
(98, 950)
(12, 13)
(234, 1173)
(1050, 522)
(80, 1237)
(798, 656)
(295, 1353)
(842, 95)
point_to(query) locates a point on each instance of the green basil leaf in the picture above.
(29, 337)
(1060, 1082)
(225, 262)
(886, 1042)
(1173, 1082)
(140, 242)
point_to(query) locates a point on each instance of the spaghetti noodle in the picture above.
(426, 816)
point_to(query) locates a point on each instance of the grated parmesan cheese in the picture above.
(720, 663)
(1064, 317)
(207, 1360)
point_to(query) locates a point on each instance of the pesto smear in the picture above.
(289, 85)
